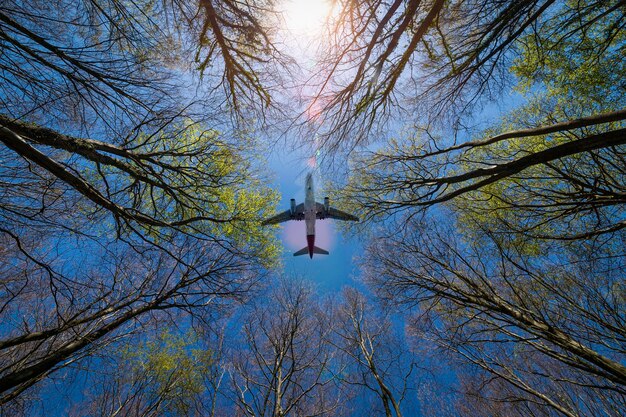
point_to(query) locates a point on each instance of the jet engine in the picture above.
(293, 207)
(326, 204)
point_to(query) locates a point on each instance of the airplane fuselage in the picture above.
(310, 212)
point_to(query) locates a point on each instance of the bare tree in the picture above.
(95, 242)
(515, 390)
(377, 359)
(285, 365)
(430, 61)
(125, 62)
(550, 169)
(56, 319)
(548, 180)
(117, 201)
(171, 179)
(240, 34)
(550, 329)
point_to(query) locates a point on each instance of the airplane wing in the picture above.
(333, 213)
(286, 216)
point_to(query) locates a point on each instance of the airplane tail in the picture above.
(319, 251)
(305, 250)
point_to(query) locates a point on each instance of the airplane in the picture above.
(309, 211)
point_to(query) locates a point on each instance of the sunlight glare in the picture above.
(305, 17)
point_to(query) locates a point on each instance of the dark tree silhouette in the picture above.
(284, 366)
(549, 327)
(118, 201)
(431, 61)
(375, 356)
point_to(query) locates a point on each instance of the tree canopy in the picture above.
(482, 142)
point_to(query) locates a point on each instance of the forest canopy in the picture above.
(481, 142)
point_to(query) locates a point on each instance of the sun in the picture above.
(305, 17)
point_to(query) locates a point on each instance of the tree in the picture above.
(517, 272)
(164, 375)
(408, 177)
(556, 162)
(125, 200)
(161, 234)
(376, 359)
(114, 61)
(550, 329)
(55, 320)
(433, 61)
(285, 365)
(241, 35)
(118, 202)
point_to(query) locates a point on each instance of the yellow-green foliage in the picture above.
(586, 66)
(171, 368)
(211, 178)
(564, 77)
(495, 207)
(192, 180)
